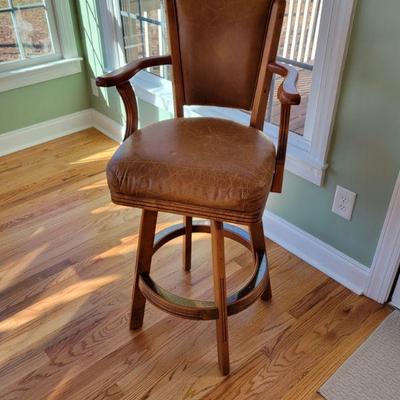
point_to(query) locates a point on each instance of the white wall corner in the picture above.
(108, 126)
(42, 132)
(337, 265)
(387, 256)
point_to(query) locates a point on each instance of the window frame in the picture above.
(65, 61)
(28, 62)
(307, 154)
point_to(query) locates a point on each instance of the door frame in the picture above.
(386, 261)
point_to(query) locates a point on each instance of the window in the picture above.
(314, 39)
(297, 47)
(27, 33)
(144, 31)
(37, 42)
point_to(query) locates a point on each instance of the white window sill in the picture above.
(39, 73)
(158, 91)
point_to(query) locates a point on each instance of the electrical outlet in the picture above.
(95, 89)
(343, 203)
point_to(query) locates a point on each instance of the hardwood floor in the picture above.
(67, 256)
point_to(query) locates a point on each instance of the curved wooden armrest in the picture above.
(288, 96)
(126, 72)
(287, 92)
(120, 78)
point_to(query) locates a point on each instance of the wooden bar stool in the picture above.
(223, 53)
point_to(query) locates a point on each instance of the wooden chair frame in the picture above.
(259, 284)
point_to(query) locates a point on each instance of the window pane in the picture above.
(132, 38)
(34, 32)
(3, 3)
(26, 2)
(130, 5)
(297, 47)
(144, 30)
(8, 42)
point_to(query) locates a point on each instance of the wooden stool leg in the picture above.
(187, 243)
(258, 242)
(218, 254)
(143, 263)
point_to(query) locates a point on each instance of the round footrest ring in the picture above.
(201, 309)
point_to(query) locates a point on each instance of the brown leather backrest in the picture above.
(217, 47)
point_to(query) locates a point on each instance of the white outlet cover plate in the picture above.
(343, 203)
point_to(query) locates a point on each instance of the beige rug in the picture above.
(373, 371)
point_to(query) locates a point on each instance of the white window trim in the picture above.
(111, 29)
(307, 155)
(68, 64)
(337, 16)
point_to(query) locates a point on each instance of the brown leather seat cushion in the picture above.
(199, 163)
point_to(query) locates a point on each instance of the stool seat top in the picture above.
(202, 165)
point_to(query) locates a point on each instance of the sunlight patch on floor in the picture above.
(10, 272)
(98, 184)
(64, 296)
(104, 155)
(60, 386)
(37, 231)
(109, 207)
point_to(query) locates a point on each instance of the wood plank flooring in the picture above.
(67, 255)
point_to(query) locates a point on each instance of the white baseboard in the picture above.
(108, 126)
(44, 131)
(340, 267)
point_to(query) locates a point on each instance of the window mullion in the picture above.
(29, 6)
(52, 31)
(17, 35)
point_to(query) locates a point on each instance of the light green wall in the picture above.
(37, 103)
(365, 149)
